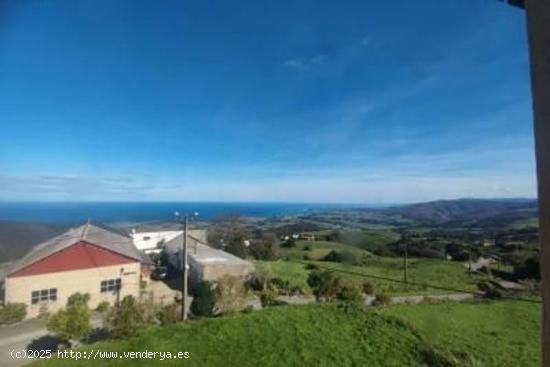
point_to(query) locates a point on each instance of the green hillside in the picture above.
(310, 335)
(505, 333)
(423, 272)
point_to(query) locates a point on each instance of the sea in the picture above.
(70, 213)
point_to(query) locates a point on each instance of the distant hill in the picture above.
(466, 209)
(16, 238)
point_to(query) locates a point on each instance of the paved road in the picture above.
(30, 334)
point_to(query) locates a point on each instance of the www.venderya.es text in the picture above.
(97, 354)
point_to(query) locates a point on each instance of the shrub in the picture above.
(490, 290)
(306, 248)
(73, 322)
(529, 269)
(349, 293)
(103, 306)
(126, 318)
(290, 243)
(168, 314)
(381, 299)
(256, 282)
(204, 300)
(311, 267)
(267, 298)
(333, 256)
(248, 309)
(368, 288)
(325, 285)
(230, 295)
(12, 313)
(279, 285)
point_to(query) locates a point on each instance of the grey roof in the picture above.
(202, 253)
(101, 236)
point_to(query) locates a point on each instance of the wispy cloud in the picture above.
(305, 63)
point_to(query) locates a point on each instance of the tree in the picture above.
(204, 300)
(73, 322)
(126, 318)
(227, 230)
(264, 248)
(325, 284)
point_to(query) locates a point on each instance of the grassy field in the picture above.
(422, 271)
(312, 335)
(504, 333)
(525, 223)
(318, 250)
(369, 240)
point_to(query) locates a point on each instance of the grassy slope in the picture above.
(502, 333)
(310, 335)
(370, 240)
(431, 271)
(319, 249)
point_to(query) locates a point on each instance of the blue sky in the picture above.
(309, 101)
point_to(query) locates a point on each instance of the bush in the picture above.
(168, 314)
(12, 313)
(256, 282)
(306, 248)
(290, 243)
(279, 285)
(325, 284)
(126, 318)
(529, 269)
(381, 299)
(368, 288)
(103, 306)
(73, 322)
(312, 267)
(204, 301)
(489, 290)
(350, 293)
(267, 298)
(333, 256)
(230, 295)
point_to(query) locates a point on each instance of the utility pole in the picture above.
(405, 256)
(470, 260)
(184, 271)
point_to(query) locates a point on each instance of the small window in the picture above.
(44, 295)
(110, 285)
(35, 297)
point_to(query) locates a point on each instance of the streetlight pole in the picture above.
(184, 271)
(184, 265)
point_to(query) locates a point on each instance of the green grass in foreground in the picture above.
(312, 335)
(423, 271)
(504, 333)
